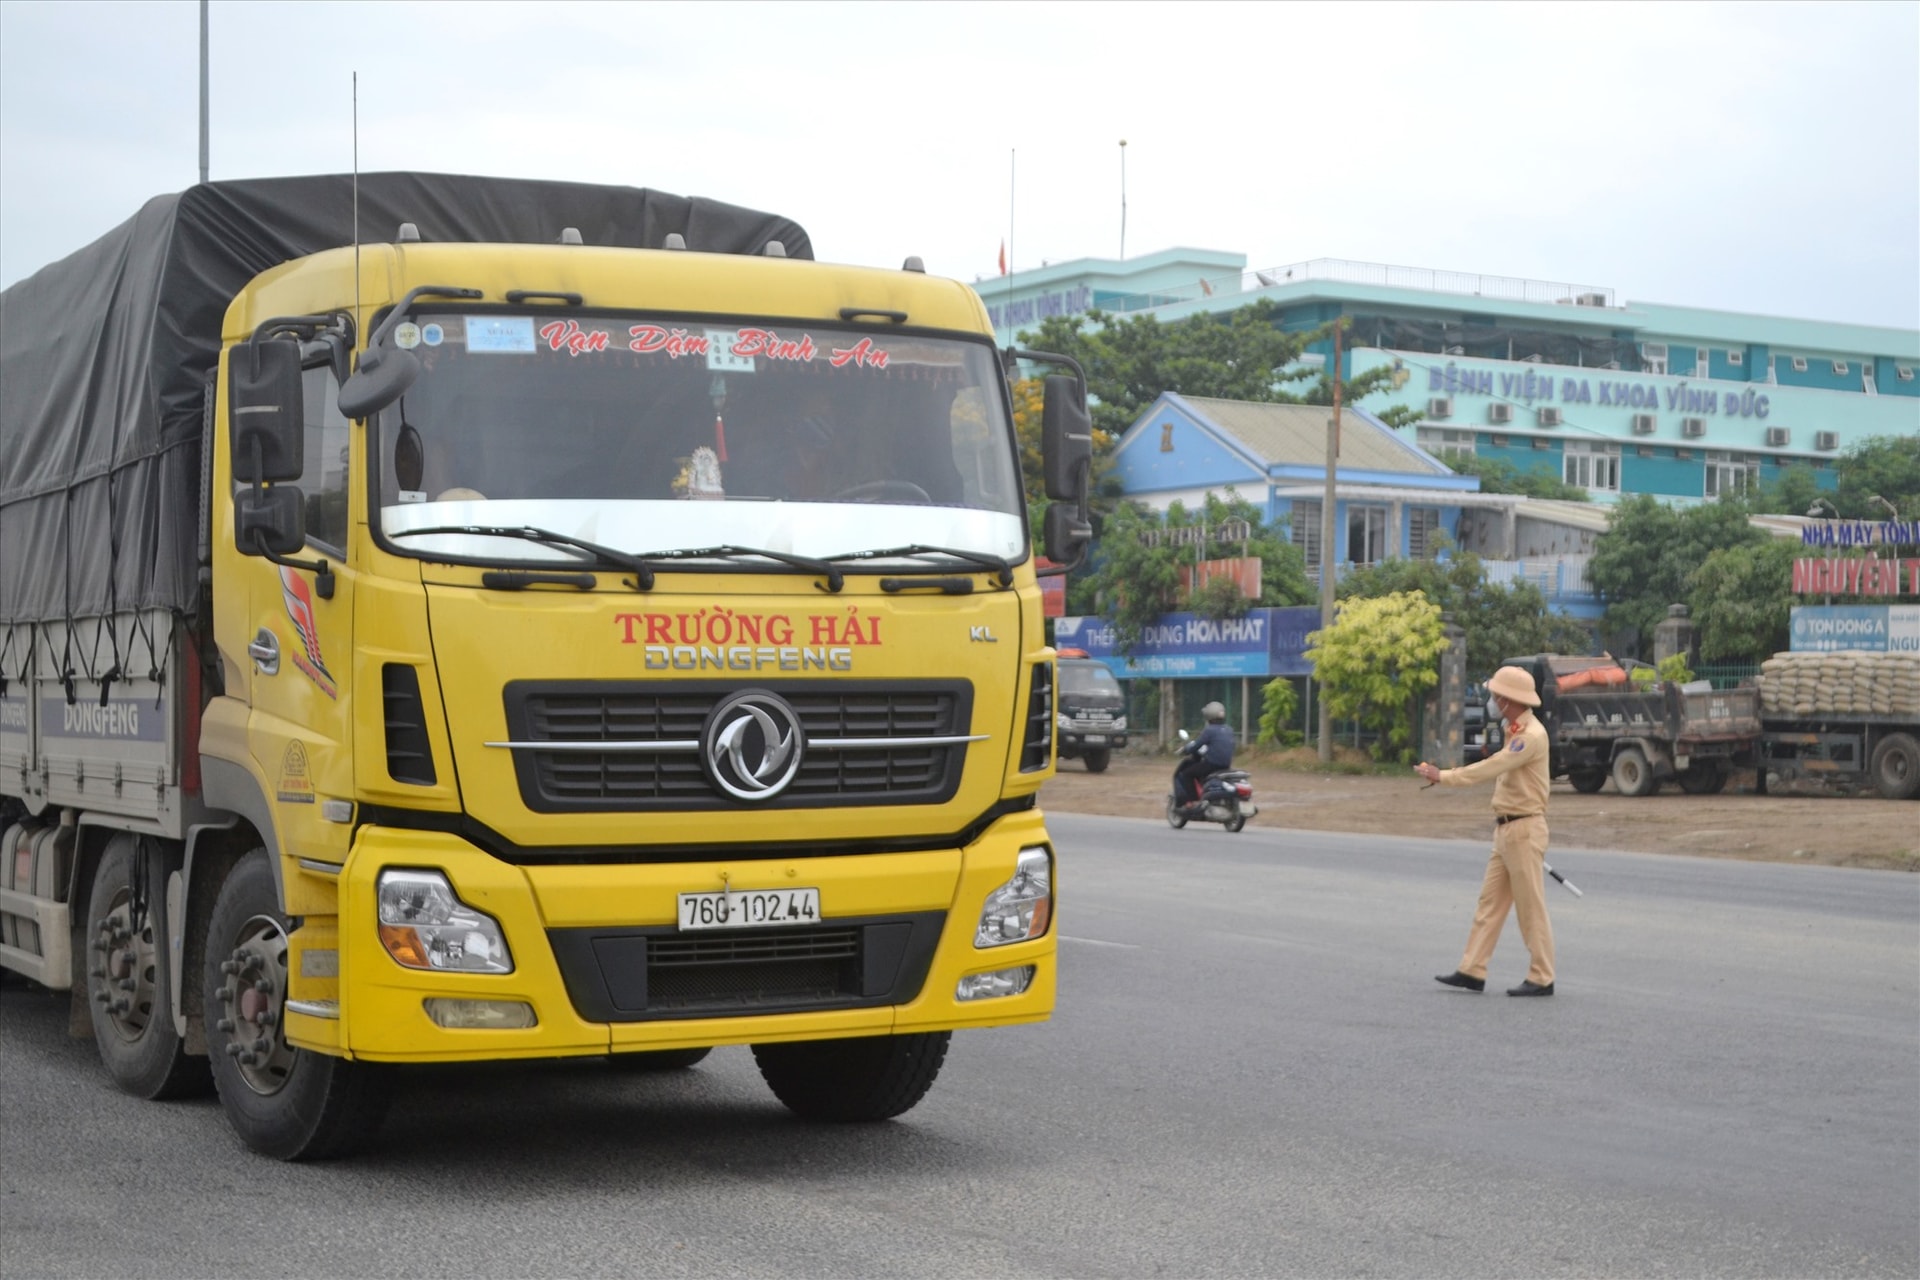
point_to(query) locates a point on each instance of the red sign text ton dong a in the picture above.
(1861, 577)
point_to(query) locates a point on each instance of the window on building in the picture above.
(1730, 473)
(1423, 524)
(1439, 441)
(1305, 522)
(1592, 466)
(1366, 534)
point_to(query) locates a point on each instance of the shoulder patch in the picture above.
(1519, 744)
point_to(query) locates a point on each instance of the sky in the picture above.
(1760, 158)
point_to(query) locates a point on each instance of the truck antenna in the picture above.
(356, 200)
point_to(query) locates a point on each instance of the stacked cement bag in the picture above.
(1849, 682)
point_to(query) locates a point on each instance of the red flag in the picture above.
(1206, 288)
(1003, 257)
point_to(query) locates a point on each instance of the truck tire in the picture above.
(1896, 767)
(129, 976)
(871, 1078)
(1587, 781)
(1632, 775)
(657, 1059)
(1704, 779)
(1098, 758)
(292, 1104)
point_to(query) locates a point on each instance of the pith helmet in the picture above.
(1515, 684)
(1214, 711)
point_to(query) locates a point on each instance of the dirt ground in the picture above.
(1292, 791)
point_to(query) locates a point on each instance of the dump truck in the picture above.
(1603, 722)
(565, 621)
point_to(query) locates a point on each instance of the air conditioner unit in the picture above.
(1501, 442)
(1693, 428)
(1653, 351)
(1590, 300)
(1777, 437)
(1827, 440)
(1736, 358)
(1644, 423)
(1499, 413)
(1440, 407)
(1799, 364)
(1547, 417)
(1538, 443)
(1840, 367)
(1643, 450)
(1904, 372)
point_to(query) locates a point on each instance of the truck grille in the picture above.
(674, 777)
(637, 974)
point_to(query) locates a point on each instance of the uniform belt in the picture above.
(1502, 819)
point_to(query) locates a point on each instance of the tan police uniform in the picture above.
(1516, 871)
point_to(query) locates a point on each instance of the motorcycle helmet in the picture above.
(1214, 713)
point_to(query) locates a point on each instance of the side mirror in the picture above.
(278, 513)
(1066, 439)
(384, 375)
(266, 412)
(1066, 533)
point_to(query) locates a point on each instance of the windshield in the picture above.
(652, 435)
(1083, 678)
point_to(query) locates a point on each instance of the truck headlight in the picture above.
(424, 925)
(1020, 908)
(1119, 724)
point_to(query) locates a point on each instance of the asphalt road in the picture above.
(1251, 1072)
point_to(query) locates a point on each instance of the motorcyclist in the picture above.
(1209, 753)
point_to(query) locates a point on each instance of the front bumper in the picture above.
(577, 933)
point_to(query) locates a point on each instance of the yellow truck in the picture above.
(568, 622)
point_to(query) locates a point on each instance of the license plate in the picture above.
(1096, 739)
(749, 908)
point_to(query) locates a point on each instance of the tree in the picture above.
(1229, 355)
(1137, 573)
(1645, 560)
(1886, 465)
(1791, 493)
(1500, 621)
(1741, 601)
(1279, 704)
(1497, 475)
(1376, 661)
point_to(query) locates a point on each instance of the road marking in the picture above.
(1097, 942)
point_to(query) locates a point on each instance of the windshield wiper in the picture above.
(727, 551)
(643, 572)
(1002, 568)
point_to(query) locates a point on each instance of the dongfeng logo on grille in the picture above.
(752, 745)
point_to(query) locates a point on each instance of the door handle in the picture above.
(265, 652)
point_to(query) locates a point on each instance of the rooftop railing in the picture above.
(1463, 283)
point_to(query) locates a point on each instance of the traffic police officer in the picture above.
(1516, 871)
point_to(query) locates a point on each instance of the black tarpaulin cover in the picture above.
(105, 355)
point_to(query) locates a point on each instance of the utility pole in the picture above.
(1123, 199)
(204, 147)
(1326, 538)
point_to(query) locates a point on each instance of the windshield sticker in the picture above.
(568, 336)
(406, 336)
(721, 357)
(861, 352)
(500, 333)
(433, 335)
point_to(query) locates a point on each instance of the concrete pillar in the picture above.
(1676, 633)
(1444, 715)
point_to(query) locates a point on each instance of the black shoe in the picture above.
(1530, 989)
(1462, 981)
